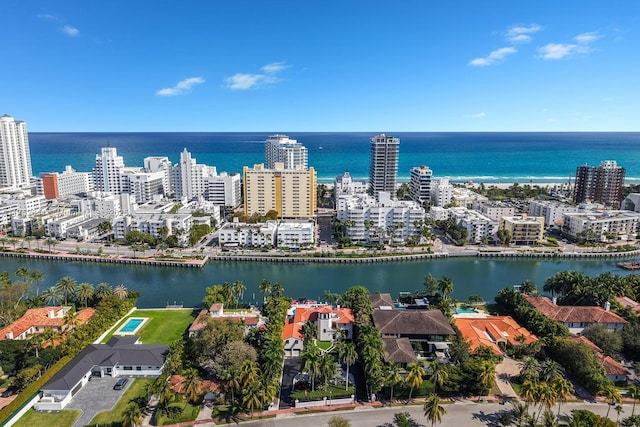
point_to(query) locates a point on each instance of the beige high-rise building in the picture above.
(524, 229)
(290, 192)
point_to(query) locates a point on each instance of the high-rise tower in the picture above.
(601, 183)
(15, 157)
(106, 173)
(289, 152)
(383, 171)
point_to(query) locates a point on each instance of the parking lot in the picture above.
(96, 396)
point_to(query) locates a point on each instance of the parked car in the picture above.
(121, 383)
(10, 391)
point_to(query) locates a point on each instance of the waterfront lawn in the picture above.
(61, 419)
(137, 389)
(334, 391)
(163, 326)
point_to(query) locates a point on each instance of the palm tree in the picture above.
(71, 321)
(433, 409)
(22, 272)
(132, 415)
(634, 393)
(161, 387)
(191, 384)
(347, 355)
(52, 296)
(238, 289)
(85, 292)
(487, 374)
(249, 373)
(251, 397)
(36, 276)
(309, 332)
(439, 374)
(121, 291)
(67, 286)
(446, 286)
(414, 376)
(610, 392)
(311, 362)
(392, 377)
(102, 290)
(227, 293)
(530, 368)
(277, 290)
(265, 286)
(562, 389)
(550, 370)
(327, 368)
(520, 412)
(549, 420)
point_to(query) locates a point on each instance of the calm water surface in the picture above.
(160, 286)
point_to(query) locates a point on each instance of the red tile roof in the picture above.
(304, 314)
(292, 330)
(177, 384)
(610, 365)
(628, 303)
(34, 317)
(573, 314)
(491, 330)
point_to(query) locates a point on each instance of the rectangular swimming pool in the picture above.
(131, 326)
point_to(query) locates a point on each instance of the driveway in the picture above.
(292, 366)
(96, 396)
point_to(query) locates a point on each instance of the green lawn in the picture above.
(58, 419)
(188, 413)
(163, 326)
(323, 345)
(137, 388)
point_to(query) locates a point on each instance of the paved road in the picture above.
(467, 414)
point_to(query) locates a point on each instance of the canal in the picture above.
(160, 286)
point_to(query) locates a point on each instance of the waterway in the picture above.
(160, 286)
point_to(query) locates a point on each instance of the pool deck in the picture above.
(143, 322)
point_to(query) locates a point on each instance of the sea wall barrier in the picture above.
(197, 263)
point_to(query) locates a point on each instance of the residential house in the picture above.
(251, 318)
(37, 320)
(381, 301)
(495, 332)
(120, 356)
(613, 369)
(398, 350)
(577, 318)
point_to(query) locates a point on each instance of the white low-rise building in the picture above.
(58, 227)
(295, 234)
(344, 185)
(494, 210)
(464, 197)
(622, 224)
(552, 211)
(479, 226)
(242, 234)
(156, 224)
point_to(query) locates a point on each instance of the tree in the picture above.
(430, 284)
(85, 293)
(610, 342)
(238, 290)
(338, 421)
(121, 291)
(67, 287)
(347, 355)
(562, 388)
(327, 367)
(439, 374)
(504, 236)
(52, 296)
(634, 393)
(487, 374)
(265, 286)
(611, 394)
(446, 286)
(251, 397)
(433, 409)
(392, 377)
(103, 290)
(191, 384)
(414, 376)
(36, 276)
(311, 362)
(403, 419)
(132, 415)
(309, 332)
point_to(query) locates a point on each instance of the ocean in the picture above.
(478, 157)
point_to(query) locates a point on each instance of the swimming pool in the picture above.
(131, 326)
(464, 310)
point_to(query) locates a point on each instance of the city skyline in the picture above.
(332, 67)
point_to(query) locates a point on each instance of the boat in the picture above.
(629, 265)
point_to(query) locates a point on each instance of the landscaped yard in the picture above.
(58, 419)
(138, 388)
(186, 413)
(163, 326)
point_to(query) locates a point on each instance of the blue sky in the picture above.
(322, 65)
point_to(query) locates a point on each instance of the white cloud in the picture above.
(70, 31)
(494, 57)
(244, 81)
(47, 16)
(181, 88)
(562, 50)
(522, 33)
(479, 115)
(587, 37)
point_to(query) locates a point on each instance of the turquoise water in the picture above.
(464, 310)
(482, 157)
(131, 325)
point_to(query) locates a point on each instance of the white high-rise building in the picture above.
(106, 173)
(289, 152)
(15, 157)
(157, 164)
(420, 184)
(224, 189)
(189, 177)
(383, 169)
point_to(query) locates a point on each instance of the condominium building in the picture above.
(441, 192)
(383, 169)
(54, 184)
(242, 234)
(552, 211)
(603, 225)
(478, 226)
(224, 189)
(290, 192)
(345, 185)
(189, 177)
(420, 184)
(525, 230)
(146, 186)
(160, 164)
(15, 157)
(289, 152)
(107, 171)
(601, 183)
(156, 224)
(295, 234)
(494, 210)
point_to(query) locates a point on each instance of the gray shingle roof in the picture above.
(117, 351)
(412, 322)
